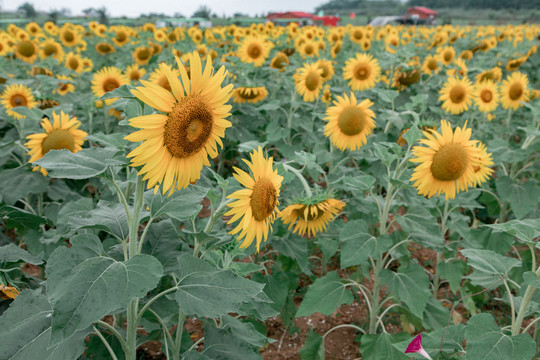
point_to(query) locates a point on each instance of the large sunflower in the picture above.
(457, 95)
(63, 133)
(17, 95)
(177, 144)
(159, 75)
(108, 79)
(308, 81)
(249, 94)
(349, 122)
(253, 50)
(449, 162)
(256, 205)
(514, 90)
(311, 218)
(134, 73)
(486, 96)
(362, 71)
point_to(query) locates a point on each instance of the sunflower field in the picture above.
(269, 192)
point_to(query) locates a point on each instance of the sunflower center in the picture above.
(352, 121)
(254, 51)
(50, 49)
(515, 92)
(309, 49)
(73, 63)
(450, 162)
(68, 36)
(312, 81)
(447, 56)
(110, 85)
(486, 95)
(361, 72)
(263, 199)
(63, 87)
(188, 127)
(26, 48)
(121, 36)
(58, 139)
(143, 54)
(457, 94)
(432, 64)
(134, 75)
(358, 35)
(18, 100)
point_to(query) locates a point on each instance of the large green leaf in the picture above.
(524, 230)
(358, 247)
(418, 222)
(294, 248)
(26, 331)
(13, 253)
(84, 164)
(488, 266)
(19, 182)
(181, 205)
(325, 295)
(431, 342)
(486, 341)
(522, 197)
(207, 291)
(162, 241)
(84, 285)
(107, 216)
(243, 330)
(15, 217)
(313, 348)
(220, 344)
(453, 270)
(410, 285)
(380, 346)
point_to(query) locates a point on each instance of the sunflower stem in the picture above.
(301, 178)
(444, 228)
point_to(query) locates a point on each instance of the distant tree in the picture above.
(102, 14)
(89, 12)
(179, 15)
(65, 11)
(28, 10)
(54, 15)
(202, 12)
(239, 14)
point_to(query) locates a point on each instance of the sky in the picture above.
(134, 8)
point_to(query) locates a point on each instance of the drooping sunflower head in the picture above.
(26, 50)
(404, 78)
(362, 71)
(446, 165)
(327, 69)
(256, 206)
(249, 94)
(62, 133)
(17, 95)
(514, 90)
(311, 216)
(253, 50)
(486, 96)
(457, 95)
(188, 128)
(280, 61)
(107, 79)
(334, 51)
(494, 74)
(349, 122)
(308, 81)
(65, 85)
(134, 73)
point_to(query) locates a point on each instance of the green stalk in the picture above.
(444, 228)
(516, 326)
(375, 305)
(300, 177)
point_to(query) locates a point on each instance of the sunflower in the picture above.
(326, 96)
(177, 144)
(457, 95)
(357, 34)
(334, 51)
(482, 170)
(159, 75)
(17, 95)
(253, 50)
(49, 47)
(107, 79)
(308, 81)
(249, 94)
(5, 47)
(103, 48)
(256, 205)
(447, 164)
(362, 71)
(121, 36)
(63, 133)
(280, 61)
(308, 49)
(494, 74)
(134, 73)
(446, 55)
(50, 28)
(404, 78)
(486, 96)
(68, 36)
(64, 86)
(327, 69)
(514, 90)
(8, 292)
(349, 122)
(311, 217)
(26, 50)
(514, 64)
(142, 55)
(74, 62)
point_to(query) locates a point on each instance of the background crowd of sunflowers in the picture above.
(311, 160)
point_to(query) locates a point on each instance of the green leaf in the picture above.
(277, 288)
(123, 92)
(296, 249)
(162, 241)
(244, 331)
(220, 344)
(530, 278)
(431, 342)
(410, 285)
(84, 285)
(490, 262)
(19, 183)
(13, 253)
(84, 164)
(313, 348)
(412, 135)
(525, 230)
(358, 247)
(26, 331)
(107, 216)
(418, 222)
(435, 315)
(15, 217)
(206, 291)
(486, 341)
(522, 197)
(325, 295)
(358, 183)
(380, 346)
(453, 271)
(181, 205)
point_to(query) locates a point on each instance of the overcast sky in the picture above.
(133, 8)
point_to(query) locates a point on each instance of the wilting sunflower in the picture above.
(142, 55)
(311, 216)
(8, 292)
(280, 61)
(74, 62)
(514, 64)
(26, 50)
(107, 79)
(447, 163)
(494, 74)
(17, 95)
(104, 48)
(486, 96)
(457, 95)
(63, 133)
(177, 144)
(253, 50)
(249, 94)
(65, 86)
(514, 90)
(159, 75)
(256, 205)
(349, 122)
(327, 69)
(362, 71)
(308, 81)
(134, 73)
